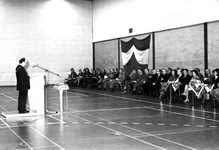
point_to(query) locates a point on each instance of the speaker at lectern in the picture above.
(35, 97)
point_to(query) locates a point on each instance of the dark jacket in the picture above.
(216, 81)
(186, 79)
(23, 80)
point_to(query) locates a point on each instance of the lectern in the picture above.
(61, 88)
(36, 94)
(35, 97)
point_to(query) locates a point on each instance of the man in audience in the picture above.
(209, 77)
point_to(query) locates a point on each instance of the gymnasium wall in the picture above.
(113, 18)
(213, 45)
(106, 54)
(180, 47)
(56, 34)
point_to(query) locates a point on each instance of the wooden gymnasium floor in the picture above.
(103, 120)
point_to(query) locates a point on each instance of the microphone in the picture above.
(34, 64)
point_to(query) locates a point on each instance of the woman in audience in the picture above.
(80, 76)
(185, 81)
(112, 80)
(85, 78)
(195, 83)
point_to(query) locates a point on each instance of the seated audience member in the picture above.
(93, 79)
(169, 72)
(85, 78)
(186, 79)
(157, 83)
(171, 80)
(141, 79)
(130, 79)
(106, 79)
(100, 75)
(112, 80)
(215, 90)
(121, 78)
(149, 87)
(200, 75)
(179, 80)
(209, 77)
(71, 80)
(194, 82)
(163, 81)
(79, 77)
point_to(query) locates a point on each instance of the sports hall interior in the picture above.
(62, 34)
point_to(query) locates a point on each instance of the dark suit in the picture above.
(23, 84)
(216, 81)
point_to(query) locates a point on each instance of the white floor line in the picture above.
(171, 133)
(42, 147)
(119, 132)
(8, 97)
(144, 132)
(17, 135)
(3, 108)
(47, 138)
(138, 100)
(110, 109)
(78, 94)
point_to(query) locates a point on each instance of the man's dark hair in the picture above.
(22, 60)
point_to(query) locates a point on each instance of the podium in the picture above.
(36, 94)
(61, 88)
(35, 97)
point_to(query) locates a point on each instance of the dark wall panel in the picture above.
(213, 45)
(106, 54)
(182, 47)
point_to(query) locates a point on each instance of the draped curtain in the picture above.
(135, 54)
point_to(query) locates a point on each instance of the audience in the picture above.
(148, 82)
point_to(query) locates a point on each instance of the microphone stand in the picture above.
(47, 83)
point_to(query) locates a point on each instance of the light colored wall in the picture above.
(113, 18)
(54, 33)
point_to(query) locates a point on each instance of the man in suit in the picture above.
(23, 85)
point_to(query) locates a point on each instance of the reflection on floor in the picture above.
(103, 120)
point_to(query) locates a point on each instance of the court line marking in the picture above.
(176, 113)
(46, 138)
(119, 132)
(180, 132)
(17, 135)
(144, 132)
(49, 146)
(138, 100)
(156, 108)
(3, 108)
(8, 97)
